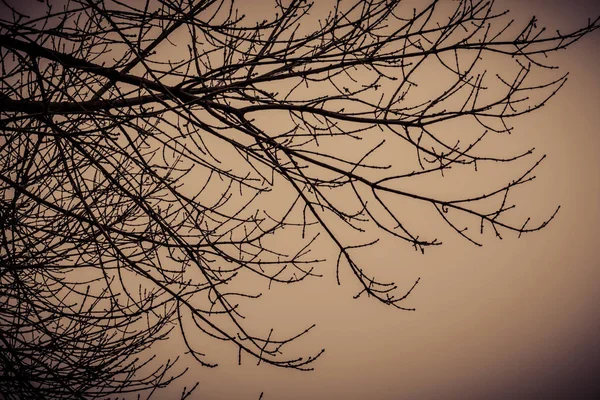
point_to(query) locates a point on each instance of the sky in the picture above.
(512, 319)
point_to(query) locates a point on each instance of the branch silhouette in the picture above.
(142, 144)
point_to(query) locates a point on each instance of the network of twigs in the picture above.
(135, 162)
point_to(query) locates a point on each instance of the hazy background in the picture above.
(515, 319)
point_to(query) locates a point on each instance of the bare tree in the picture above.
(152, 152)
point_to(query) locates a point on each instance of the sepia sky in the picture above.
(514, 319)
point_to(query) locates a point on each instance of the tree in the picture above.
(145, 184)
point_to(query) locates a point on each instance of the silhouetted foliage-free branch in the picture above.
(143, 143)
